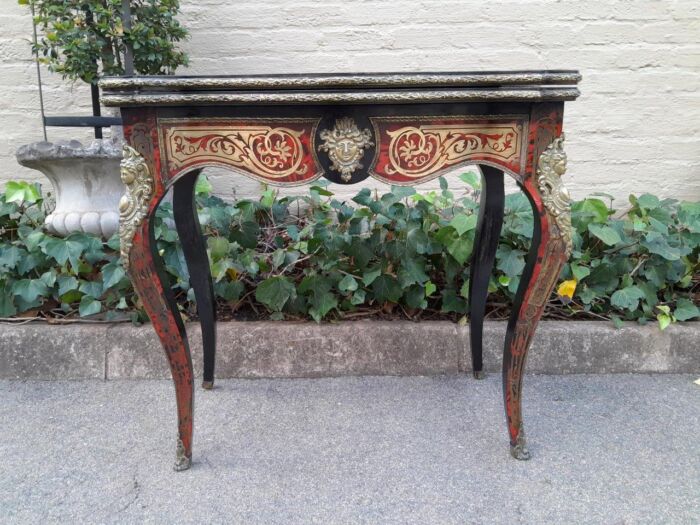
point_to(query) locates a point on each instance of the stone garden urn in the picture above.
(86, 183)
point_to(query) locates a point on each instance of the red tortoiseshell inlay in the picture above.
(278, 151)
(414, 149)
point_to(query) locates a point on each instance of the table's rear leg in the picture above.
(195, 250)
(551, 245)
(141, 260)
(488, 231)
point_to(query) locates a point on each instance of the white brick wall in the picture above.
(636, 127)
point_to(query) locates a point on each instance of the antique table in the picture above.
(291, 129)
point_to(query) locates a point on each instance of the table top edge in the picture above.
(350, 81)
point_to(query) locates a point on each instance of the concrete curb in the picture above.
(285, 349)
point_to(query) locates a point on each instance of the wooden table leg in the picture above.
(145, 268)
(551, 247)
(195, 251)
(488, 231)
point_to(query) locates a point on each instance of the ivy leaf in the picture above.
(278, 257)
(510, 261)
(358, 297)
(347, 284)
(580, 272)
(7, 307)
(685, 310)
(364, 197)
(386, 288)
(322, 304)
(656, 243)
(417, 240)
(648, 202)
(112, 274)
(10, 256)
(19, 191)
(63, 250)
(89, 306)
(66, 283)
(49, 278)
(664, 321)
(274, 292)
(246, 234)
(461, 247)
(29, 262)
(29, 290)
(605, 233)
(472, 179)
(586, 294)
(220, 268)
(360, 253)
(589, 211)
(229, 291)
(412, 271)
(627, 298)
(430, 289)
(90, 288)
(370, 275)
(451, 302)
(401, 192)
(30, 237)
(218, 247)
(463, 223)
(203, 186)
(415, 296)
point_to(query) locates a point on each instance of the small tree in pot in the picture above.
(84, 40)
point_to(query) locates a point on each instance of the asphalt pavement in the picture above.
(606, 449)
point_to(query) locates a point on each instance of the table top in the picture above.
(347, 88)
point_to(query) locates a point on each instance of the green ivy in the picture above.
(399, 253)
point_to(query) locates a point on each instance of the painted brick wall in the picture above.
(636, 127)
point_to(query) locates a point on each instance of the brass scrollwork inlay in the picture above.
(555, 197)
(346, 145)
(133, 206)
(418, 151)
(270, 152)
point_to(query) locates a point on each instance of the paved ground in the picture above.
(607, 449)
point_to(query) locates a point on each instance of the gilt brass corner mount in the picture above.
(133, 206)
(555, 197)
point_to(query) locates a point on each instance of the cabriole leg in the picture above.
(142, 262)
(551, 246)
(488, 231)
(195, 250)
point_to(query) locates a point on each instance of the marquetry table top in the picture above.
(368, 88)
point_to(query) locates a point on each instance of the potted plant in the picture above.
(84, 40)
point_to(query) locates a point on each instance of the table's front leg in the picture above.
(144, 266)
(551, 247)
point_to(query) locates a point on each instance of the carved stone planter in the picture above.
(86, 183)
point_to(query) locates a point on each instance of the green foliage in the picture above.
(401, 253)
(59, 277)
(85, 39)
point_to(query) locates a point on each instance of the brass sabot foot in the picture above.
(182, 461)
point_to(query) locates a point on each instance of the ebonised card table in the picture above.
(292, 129)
